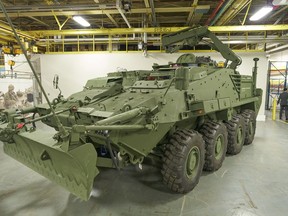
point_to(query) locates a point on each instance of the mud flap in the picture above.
(75, 170)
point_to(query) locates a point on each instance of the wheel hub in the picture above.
(251, 128)
(219, 146)
(192, 162)
(239, 135)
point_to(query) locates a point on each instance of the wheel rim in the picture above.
(219, 144)
(192, 162)
(239, 135)
(251, 128)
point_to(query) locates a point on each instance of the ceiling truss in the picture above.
(39, 20)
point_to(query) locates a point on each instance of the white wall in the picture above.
(279, 56)
(74, 70)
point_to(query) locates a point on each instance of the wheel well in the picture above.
(250, 106)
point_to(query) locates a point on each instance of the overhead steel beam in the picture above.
(221, 11)
(161, 30)
(118, 6)
(146, 2)
(58, 22)
(111, 31)
(7, 29)
(284, 14)
(279, 12)
(157, 30)
(60, 7)
(248, 28)
(236, 7)
(246, 13)
(191, 14)
(213, 14)
(37, 20)
(149, 11)
(154, 21)
(111, 18)
(113, 11)
(196, 19)
(7, 38)
(278, 49)
(225, 40)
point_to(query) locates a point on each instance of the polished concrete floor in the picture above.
(253, 183)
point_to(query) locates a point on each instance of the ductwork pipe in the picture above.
(123, 16)
(220, 3)
(223, 9)
(237, 6)
(280, 48)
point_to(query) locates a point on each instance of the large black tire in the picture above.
(215, 137)
(236, 134)
(183, 161)
(250, 124)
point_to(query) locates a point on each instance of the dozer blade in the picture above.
(75, 170)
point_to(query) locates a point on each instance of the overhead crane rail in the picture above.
(125, 37)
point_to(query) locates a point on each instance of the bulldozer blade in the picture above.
(75, 169)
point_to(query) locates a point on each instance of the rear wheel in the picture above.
(250, 124)
(183, 161)
(215, 137)
(236, 134)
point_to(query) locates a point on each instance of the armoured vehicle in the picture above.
(189, 113)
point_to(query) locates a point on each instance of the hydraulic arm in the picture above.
(193, 36)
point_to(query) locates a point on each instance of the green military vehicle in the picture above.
(189, 114)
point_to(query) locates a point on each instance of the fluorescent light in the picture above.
(261, 13)
(81, 21)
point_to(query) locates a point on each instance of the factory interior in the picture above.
(143, 107)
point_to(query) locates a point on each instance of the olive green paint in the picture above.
(122, 118)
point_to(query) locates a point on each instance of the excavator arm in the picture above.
(193, 36)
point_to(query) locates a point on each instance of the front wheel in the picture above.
(183, 161)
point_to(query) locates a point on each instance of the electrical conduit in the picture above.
(220, 3)
(223, 9)
(237, 6)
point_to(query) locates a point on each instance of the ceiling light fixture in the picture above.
(81, 21)
(280, 2)
(261, 13)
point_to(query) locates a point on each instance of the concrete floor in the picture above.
(255, 182)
